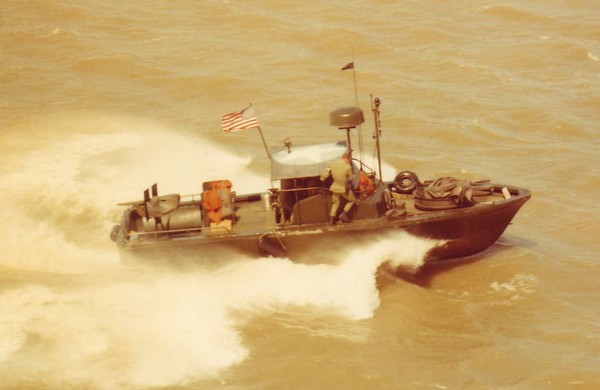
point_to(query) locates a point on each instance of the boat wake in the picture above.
(74, 316)
(145, 327)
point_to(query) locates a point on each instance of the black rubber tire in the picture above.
(406, 182)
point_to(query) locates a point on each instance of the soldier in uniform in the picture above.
(341, 188)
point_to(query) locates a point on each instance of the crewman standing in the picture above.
(341, 188)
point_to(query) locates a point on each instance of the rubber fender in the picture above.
(405, 182)
(389, 199)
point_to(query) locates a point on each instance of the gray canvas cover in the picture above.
(160, 205)
(305, 161)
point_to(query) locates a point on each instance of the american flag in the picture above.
(240, 120)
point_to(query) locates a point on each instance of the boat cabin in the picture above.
(303, 198)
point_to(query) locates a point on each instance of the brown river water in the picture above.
(100, 99)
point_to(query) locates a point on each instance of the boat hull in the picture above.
(459, 232)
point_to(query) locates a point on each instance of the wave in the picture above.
(83, 318)
(148, 327)
(64, 183)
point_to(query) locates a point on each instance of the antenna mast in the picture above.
(377, 135)
(360, 138)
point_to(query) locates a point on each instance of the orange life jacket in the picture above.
(212, 202)
(366, 186)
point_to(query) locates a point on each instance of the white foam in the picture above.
(62, 196)
(142, 328)
(139, 333)
(107, 326)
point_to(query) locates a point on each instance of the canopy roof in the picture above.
(304, 161)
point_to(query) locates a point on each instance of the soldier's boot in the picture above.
(344, 217)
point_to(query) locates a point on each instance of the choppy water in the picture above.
(99, 99)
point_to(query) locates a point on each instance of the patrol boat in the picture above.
(292, 218)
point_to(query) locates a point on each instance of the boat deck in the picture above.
(253, 217)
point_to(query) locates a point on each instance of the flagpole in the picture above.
(264, 142)
(262, 137)
(354, 76)
(360, 141)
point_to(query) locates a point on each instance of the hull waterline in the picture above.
(459, 232)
